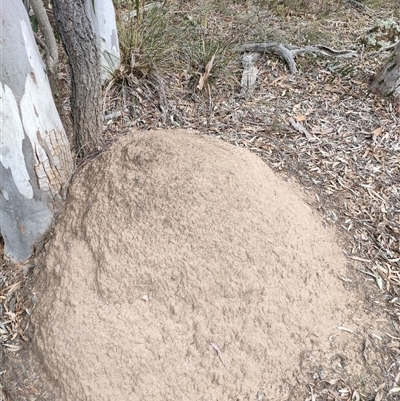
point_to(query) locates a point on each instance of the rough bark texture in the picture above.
(84, 58)
(35, 159)
(388, 80)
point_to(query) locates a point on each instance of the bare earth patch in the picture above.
(183, 268)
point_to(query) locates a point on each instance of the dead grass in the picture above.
(351, 166)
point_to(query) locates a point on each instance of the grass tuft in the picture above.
(145, 39)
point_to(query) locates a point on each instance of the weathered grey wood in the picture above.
(250, 73)
(35, 158)
(388, 80)
(48, 35)
(288, 52)
(50, 47)
(83, 52)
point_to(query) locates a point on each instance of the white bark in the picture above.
(105, 28)
(35, 158)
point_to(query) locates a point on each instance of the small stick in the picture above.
(219, 353)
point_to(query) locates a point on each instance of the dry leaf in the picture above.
(358, 258)
(300, 128)
(12, 348)
(207, 71)
(301, 117)
(379, 394)
(377, 131)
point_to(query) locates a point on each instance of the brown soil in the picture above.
(184, 268)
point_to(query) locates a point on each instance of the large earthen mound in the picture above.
(184, 269)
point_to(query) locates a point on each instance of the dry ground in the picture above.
(350, 166)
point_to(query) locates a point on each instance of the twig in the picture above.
(219, 353)
(40, 42)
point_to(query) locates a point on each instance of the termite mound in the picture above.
(183, 268)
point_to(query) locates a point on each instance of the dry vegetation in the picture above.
(349, 160)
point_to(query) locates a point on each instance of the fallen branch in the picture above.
(49, 45)
(48, 35)
(289, 52)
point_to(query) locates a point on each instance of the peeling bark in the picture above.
(35, 159)
(388, 80)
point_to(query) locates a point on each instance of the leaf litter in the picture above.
(340, 141)
(349, 162)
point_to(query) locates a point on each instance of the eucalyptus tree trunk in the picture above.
(102, 16)
(79, 40)
(35, 157)
(388, 80)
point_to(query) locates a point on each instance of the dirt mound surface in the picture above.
(184, 269)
